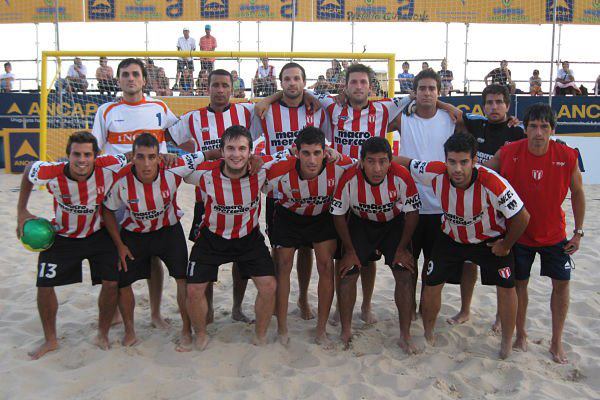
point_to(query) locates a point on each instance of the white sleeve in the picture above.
(508, 202)
(423, 172)
(325, 100)
(170, 119)
(99, 128)
(42, 172)
(256, 128)
(340, 204)
(188, 164)
(180, 131)
(113, 200)
(195, 177)
(396, 105)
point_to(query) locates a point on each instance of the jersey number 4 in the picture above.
(47, 270)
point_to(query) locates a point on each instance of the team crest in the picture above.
(166, 193)
(504, 272)
(310, 119)
(371, 118)
(330, 182)
(392, 194)
(100, 190)
(537, 174)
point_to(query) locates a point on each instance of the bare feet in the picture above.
(496, 326)
(284, 339)
(185, 343)
(430, 338)
(520, 343)
(323, 340)
(346, 339)
(129, 339)
(458, 319)
(367, 316)
(306, 312)
(102, 342)
(408, 346)
(505, 349)
(201, 342)
(260, 341)
(559, 355)
(160, 323)
(334, 319)
(46, 347)
(238, 315)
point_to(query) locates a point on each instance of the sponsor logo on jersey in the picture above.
(559, 163)
(133, 201)
(504, 272)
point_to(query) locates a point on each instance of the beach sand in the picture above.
(463, 365)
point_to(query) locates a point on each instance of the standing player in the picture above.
(483, 218)
(116, 126)
(230, 233)
(205, 127)
(540, 168)
(492, 131)
(279, 124)
(377, 193)
(151, 227)
(301, 219)
(78, 187)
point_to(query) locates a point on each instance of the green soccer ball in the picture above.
(38, 234)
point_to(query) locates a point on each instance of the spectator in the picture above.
(185, 43)
(152, 71)
(424, 66)
(321, 86)
(501, 76)
(447, 78)
(405, 79)
(264, 82)
(342, 75)
(187, 83)
(333, 73)
(239, 89)
(207, 43)
(7, 79)
(535, 84)
(161, 85)
(202, 83)
(565, 81)
(77, 77)
(597, 87)
(106, 78)
(376, 87)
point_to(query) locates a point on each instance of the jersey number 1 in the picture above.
(159, 117)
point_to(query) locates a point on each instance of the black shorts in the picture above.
(211, 251)
(555, 263)
(197, 222)
(269, 215)
(448, 256)
(295, 231)
(185, 64)
(376, 256)
(61, 264)
(167, 243)
(424, 236)
(371, 239)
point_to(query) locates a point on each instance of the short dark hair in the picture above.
(234, 132)
(83, 137)
(292, 65)
(461, 143)
(7, 64)
(128, 61)
(145, 140)
(405, 63)
(310, 135)
(359, 68)
(540, 112)
(425, 74)
(494, 88)
(219, 72)
(375, 145)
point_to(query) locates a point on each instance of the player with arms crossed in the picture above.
(483, 217)
(301, 219)
(151, 228)
(78, 187)
(230, 233)
(383, 202)
(540, 168)
(116, 126)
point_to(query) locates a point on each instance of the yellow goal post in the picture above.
(62, 112)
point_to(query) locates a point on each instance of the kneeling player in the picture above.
(78, 187)
(151, 227)
(306, 185)
(229, 233)
(483, 217)
(377, 193)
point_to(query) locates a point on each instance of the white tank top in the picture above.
(423, 139)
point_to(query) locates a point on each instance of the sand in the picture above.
(463, 365)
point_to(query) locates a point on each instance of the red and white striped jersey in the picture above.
(395, 194)
(474, 214)
(282, 123)
(118, 123)
(350, 128)
(305, 197)
(206, 126)
(77, 205)
(231, 206)
(151, 206)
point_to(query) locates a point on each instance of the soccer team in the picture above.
(466, 191)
